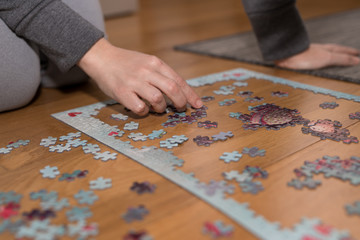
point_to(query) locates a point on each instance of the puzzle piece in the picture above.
(82, 230)
(245, 93)
(105, 156)
(327, 129)
(40, 230)
(86, 197)
(214, 187)
(9, 210)
(330, 105)
(156, 134)
(218, 229)
(100, 183)
(207, 124)
(253, 99)
(203, 141)
(177, 139)
(131, 126)
(143, 187)
(239, 177)
(353, 208)
(18, 143)
(227, 102)
(223, 92)
(70, 136)
(207, 98)
(5, 150)
(44, 195)
(139, 235)
(168, 144)
(55, 204)
(355, 115)
(78, 214)
(256, 172)
(60, 148)
(254, 151)
(135, 213)
(76, 174)
(252, 187)
(231, 156)
(46, 142)
(49, 172)
(308, 182)
(279, 94)
(137, 136)
(91, 148)
(76, 142)
(39, 214)
(222, 136)
(119, 117)
(240, 84)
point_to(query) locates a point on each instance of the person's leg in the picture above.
(19, 70)
(51, 76)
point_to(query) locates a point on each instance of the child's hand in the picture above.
(130, 77)
(320, 56)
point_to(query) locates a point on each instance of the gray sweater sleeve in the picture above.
(61, 34)
(278, 27)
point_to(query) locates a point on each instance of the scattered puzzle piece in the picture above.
(100, 183)
(168, 144)
(308, 182)
(203, 141)
(355, 115)
(156, 134)
(55, 204)
(137, 136)
(207, 124)
(46, 142)
(76, 174)
(218, 229)
(245, 93)
(39, 214)
(70, 136)
(254, 151)
(137, 235)
(78, 214)
(231, 156)
(5, 150)
(43, 195)
(353, 208)
(91, 148)
(8, 210)
(86, 197)
(330, 105)
(131, 126)
(240, 84)
(135, 213)
(253, 99)
(119, 117)
(207, 98)
(239, 177)
(279, 94)
(143, 187)
(18, 143)
(60, 148)
(105, 156)
(222, 136)
(227, 102)
(252, 187)
(49, 172)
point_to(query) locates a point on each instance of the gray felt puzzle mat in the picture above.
(240, 164)
(342, 28)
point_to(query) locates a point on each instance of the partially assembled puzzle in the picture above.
(247, 112)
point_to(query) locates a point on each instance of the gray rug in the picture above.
(342, 28)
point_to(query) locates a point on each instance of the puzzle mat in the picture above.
(184, 166)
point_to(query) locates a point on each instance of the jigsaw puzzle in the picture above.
(269, 116)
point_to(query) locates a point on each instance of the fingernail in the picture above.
(356, 60)
(199, 103)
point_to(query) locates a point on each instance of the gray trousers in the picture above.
(20, 73)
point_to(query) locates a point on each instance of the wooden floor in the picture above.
(175, 213)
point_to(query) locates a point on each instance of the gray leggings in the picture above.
(20, 73)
